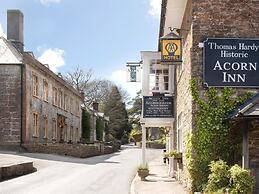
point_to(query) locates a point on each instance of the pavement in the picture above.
(157, 181)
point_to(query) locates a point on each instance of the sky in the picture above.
(101, 35)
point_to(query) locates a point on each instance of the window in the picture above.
(77, 108)
(54, 96)
(159, 78)
(45, 90)
(46, 126)
(71, 105)
(179, 133)
(54, 129)
(65, 133)
(35, 85)
(66, 98)
(71, 133)
(60, 100)
(35, 125)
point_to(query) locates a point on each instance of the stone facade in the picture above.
(10, 104)
(59, 120)
(37, 106)
(204, 19)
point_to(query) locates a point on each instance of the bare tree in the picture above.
(79, 78)
(95, 90)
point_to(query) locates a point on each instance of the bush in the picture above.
(219, 176)
(136, 135)
(241, 180)
(238, 180)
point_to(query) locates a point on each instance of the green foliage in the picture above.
(235, 179)
(136, 135)
(99, 129)
(211, 139)
(116, 111)
(188, 152)
(175, 154)
(85, 125)
(219, 176)
(241, 180)
(143, 167)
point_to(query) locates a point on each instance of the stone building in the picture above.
(197, 21)
(36, 105)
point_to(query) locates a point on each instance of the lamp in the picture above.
(171, 47)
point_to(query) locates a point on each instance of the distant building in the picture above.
(36, 105)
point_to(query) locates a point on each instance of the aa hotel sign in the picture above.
(231, 62)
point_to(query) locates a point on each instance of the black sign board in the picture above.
(231, 62)
(158, 107)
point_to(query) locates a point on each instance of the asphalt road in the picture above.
(107, 174)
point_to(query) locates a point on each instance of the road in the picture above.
(107, 174)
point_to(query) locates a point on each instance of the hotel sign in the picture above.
(231, 62)
(171, 50)
(158, 107)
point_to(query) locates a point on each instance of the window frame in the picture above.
(35, 123)
(45, 90)
(35, 85)
(54, 129)
(46, 123)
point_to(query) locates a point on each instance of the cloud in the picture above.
(48, 2)
(155, 8)
(2, 31)
(119, 77)
(54, 57)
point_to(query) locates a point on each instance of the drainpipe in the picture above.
(22, 95)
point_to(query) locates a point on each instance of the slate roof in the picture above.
(244, 108)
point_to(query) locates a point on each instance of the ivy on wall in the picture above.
(99, 129)
(211, 139)
(86, 125)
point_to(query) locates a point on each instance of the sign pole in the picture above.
(143, 144)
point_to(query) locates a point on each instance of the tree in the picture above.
(115, 109)
(135, 111)
(94, 89)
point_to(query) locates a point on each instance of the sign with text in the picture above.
(231, 62)
(158, 107)
(133, 73)
(171, 50)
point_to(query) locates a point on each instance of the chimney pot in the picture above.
(15, 28)
(96, 106)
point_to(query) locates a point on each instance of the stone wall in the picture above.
(204, 19)
(183, 93)
(221, 19)
(75, 150)
(10, 104)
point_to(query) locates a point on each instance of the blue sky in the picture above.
(101, 35)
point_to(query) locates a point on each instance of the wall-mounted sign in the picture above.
(171, 50)
(158, 107)
(231, 62)
(133, 72)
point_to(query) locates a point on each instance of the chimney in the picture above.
(96, 106)
(15, 28)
